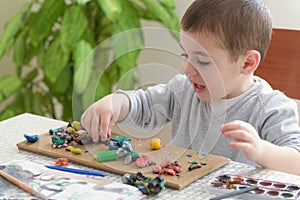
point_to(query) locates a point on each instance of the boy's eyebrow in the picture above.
(201, 53)
(196, 52)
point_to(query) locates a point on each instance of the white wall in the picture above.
(285, 13)
(8, 8)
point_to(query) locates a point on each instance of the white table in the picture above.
(13, 129)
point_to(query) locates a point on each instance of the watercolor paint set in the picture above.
(265, 188)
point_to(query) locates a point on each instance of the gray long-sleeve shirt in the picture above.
(196, 124)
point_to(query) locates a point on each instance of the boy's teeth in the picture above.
(199, 86)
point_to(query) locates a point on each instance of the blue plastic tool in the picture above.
(77, 171)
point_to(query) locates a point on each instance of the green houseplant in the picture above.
(49, 40)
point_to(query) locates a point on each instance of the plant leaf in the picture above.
(62, 83)
(83, 65)
(128, 39)
(41, 25)
(89, 36)
(19, 49)
(72, 27)
(28, 100)
(12, 27)
(113, 73)
(168, 3)
(104, 87)
(1, 97)
(30, 76)
(142, 12)
(37, 103)
(162, 14)
(55, 60)
(9, 85)
(81, 2)
(112, 8)
(7, 113)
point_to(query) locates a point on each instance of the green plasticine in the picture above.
(107, 155)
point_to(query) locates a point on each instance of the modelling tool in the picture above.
(77, 171)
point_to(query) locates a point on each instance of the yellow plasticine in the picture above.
(76, 150)
(76, 125)
(155, 143)
(69, 148)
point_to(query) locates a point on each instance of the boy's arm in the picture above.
(125, 106)
(285, 159)
(266, 154)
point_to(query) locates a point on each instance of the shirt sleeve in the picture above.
(280, 123)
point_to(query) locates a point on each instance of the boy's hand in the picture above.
(245, 138)
(101, 116)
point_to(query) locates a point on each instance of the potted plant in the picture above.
(50, 40)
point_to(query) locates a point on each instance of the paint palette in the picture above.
(271, 189)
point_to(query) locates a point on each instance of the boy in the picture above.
(218, 106)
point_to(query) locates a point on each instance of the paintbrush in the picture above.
(22, 185)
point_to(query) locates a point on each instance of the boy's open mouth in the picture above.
(199, 88)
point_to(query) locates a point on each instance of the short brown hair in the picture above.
(239, 25)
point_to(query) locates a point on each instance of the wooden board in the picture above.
(43, 147)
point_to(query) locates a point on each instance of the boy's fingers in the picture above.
(85, 122)
(239, 135)
(111, 124)
(242, 146)
(94, 129)
(237, 124)
(104, 126)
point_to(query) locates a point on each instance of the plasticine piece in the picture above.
(131, 156)
(61, 162)
(58, 142)
(82, 137)
(54, 131)
(121, 138)
(76, 150)
(69, 148)
(32, 138)
(167, 167)
(114, 145)
(194, 166)
(124, 149)
(148, 186)
(189, 155)
(166, 162)
(155, 143)
(107, 155)
(76, 125)
(144, 161)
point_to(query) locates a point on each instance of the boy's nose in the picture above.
(189, 69)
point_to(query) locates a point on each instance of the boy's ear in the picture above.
(251, 62)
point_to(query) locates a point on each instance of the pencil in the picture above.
(234, 193)
(22, 185)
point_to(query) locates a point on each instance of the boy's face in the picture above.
(209, 68)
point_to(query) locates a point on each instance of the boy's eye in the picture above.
(203, 62)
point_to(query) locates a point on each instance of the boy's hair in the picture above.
(239, 25)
